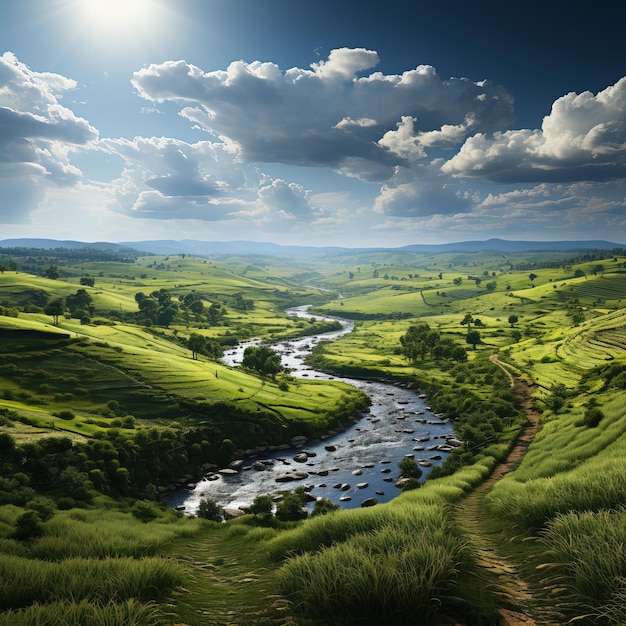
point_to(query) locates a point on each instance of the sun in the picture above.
(120, 16)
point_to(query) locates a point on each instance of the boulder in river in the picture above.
(330, 448)
(369, 502)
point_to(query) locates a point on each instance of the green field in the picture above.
(104, 407)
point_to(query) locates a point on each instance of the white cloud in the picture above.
(289, 199)
(37, 135)
(583, 138)
(328, 115)
(167, 178)
(419, 192)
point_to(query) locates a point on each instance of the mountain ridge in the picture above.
(255, 248)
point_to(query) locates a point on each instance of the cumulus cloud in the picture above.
(168, 178)
(420, 192)
(583, 138)
(289, 199)
(334, 114)
(37, 135)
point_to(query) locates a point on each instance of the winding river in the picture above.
(348, 467)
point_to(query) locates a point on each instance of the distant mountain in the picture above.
(252, 248)
(51, 244)
(502, 245)
(240, 248)
(255, 248)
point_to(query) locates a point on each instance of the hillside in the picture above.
(102, 407)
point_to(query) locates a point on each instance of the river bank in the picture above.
(348, 467)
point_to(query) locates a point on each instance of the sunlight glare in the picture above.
(118, 15)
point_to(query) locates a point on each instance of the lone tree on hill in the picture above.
(513, 319)
(55, 308)
(473, 338)
(468, 319)
(196, 343)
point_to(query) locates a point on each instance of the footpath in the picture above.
(517, 599)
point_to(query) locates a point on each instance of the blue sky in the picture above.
(312, 123)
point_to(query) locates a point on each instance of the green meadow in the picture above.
(104, 406)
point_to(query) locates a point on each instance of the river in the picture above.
(349, 467)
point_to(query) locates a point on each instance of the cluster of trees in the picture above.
(420, 340)
(199, 344)
(116, 463)
(80, 306)
(262, 359)
(157, 308)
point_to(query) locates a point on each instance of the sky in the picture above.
(350, 123)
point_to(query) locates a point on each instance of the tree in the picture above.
(262, 359)
(473, 338)
(209, 509)
(197, 344)
(418, 340)
(491, 286)
(557, 398)
(532, 277)
(457, 281)
(516, 335)
(80, 301)
(467, 320)
(55, 308)
(513, 319)
(52, 272)
(88, 281)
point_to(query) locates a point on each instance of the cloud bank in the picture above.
(419, 154)
(37, 135)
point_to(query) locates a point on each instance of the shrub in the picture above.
(593, 416)
(262, 507)
(290, 508)
(65, 415)
(323, 506)
(409, 468)
(28, 525)
(145, 511)
(210, 510)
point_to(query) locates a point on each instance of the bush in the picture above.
(290, 508)
(65, 415)
(262, 507)
(145, 511)
(409, 468)
(593, 416)
(210, 510)
(28, 525)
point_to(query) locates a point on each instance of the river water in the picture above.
(349, 467)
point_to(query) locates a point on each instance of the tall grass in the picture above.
(66, 613)
(567, 468)
(588, 560)
(103, 534)
(27, 581)
(396, 573)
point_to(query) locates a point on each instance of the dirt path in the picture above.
(518, 605)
